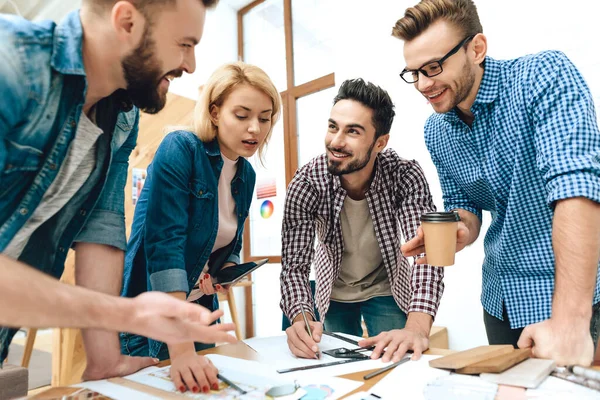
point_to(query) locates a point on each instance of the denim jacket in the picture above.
(43, 86)
(176, 218)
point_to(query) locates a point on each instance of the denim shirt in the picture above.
(176, 218)
(43, 86)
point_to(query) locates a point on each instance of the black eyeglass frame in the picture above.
(439, 62)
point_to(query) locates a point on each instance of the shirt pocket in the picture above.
(202, 204)
(21, 165)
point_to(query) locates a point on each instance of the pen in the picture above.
(384, 369)
(308, 328)
(233, 385)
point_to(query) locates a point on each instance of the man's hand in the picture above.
(161, 317)
(416, 245)
(300, 343)
(566, 343)
(396, 343)
(194, 372)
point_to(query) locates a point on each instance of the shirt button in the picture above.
(61, 249)
(82, 212)
(52, 166)
(23, 211)
(73, 124)
(200, 192)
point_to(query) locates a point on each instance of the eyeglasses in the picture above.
(283, 390)
(433, 68)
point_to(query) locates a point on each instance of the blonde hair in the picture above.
(220, 84)
(461, 13)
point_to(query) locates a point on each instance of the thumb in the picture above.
(526, 339)
(317, 330)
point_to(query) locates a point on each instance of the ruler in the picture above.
(328, 364)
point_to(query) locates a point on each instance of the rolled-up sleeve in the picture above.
(297, 250)
(427, 284)
(567, 139)
(165, 234)
(106, 223)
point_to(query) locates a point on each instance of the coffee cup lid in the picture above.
(451, 216)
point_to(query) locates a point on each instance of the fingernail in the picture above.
(315, 349)
(205, 389)
(215, 386)
(156, 360)
(195, 389)
(182, 389)
(205, 276)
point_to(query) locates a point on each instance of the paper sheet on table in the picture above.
(116, 392)
(408, 379)
(254, 377)
(555, 388)
(275, 351)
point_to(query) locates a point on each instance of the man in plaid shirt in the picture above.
(359, 200)
(518, 138)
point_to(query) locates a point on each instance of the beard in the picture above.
(335, 167)
(464, 85)
(142, 71)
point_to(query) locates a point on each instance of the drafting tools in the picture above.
(329, 364)
(344, 338)
(307, 326)
(384, 369)
(343, 352)
(233, 385)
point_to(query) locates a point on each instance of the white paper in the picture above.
(555, 388)
(114, 391)
(275, 351)
(254, 377)
(408, 380)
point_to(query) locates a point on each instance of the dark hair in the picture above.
(460, 13)
(373, 97)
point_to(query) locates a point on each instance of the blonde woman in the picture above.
(191, 212)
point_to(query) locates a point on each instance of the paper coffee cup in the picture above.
(440, 237)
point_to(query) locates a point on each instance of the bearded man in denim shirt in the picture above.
(68, 123)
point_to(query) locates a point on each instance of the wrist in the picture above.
(419, 322)
(176, 350)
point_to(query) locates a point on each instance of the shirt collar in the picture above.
(375, 183)
(67, 52)
(213, 151)
(490, 82)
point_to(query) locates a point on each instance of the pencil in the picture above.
(308, 328)
(384, 369)
(233, 385)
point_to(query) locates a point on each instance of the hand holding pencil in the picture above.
(304, 336)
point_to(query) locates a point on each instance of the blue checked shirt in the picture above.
(534, 141)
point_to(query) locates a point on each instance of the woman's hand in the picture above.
(206, 283)
(190, 371)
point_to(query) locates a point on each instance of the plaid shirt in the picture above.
(534, 141)
(398, 195)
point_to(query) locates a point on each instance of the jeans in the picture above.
(499, 332)
(380, 314)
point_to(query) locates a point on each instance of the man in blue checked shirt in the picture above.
(518, 138)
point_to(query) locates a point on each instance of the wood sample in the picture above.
(496, 364)
(471, 356)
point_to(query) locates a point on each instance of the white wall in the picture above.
(218, 46)
(364, 48)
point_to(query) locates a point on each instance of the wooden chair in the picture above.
(31, 334)
(230, 299)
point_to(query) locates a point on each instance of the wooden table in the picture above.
(238, 350)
